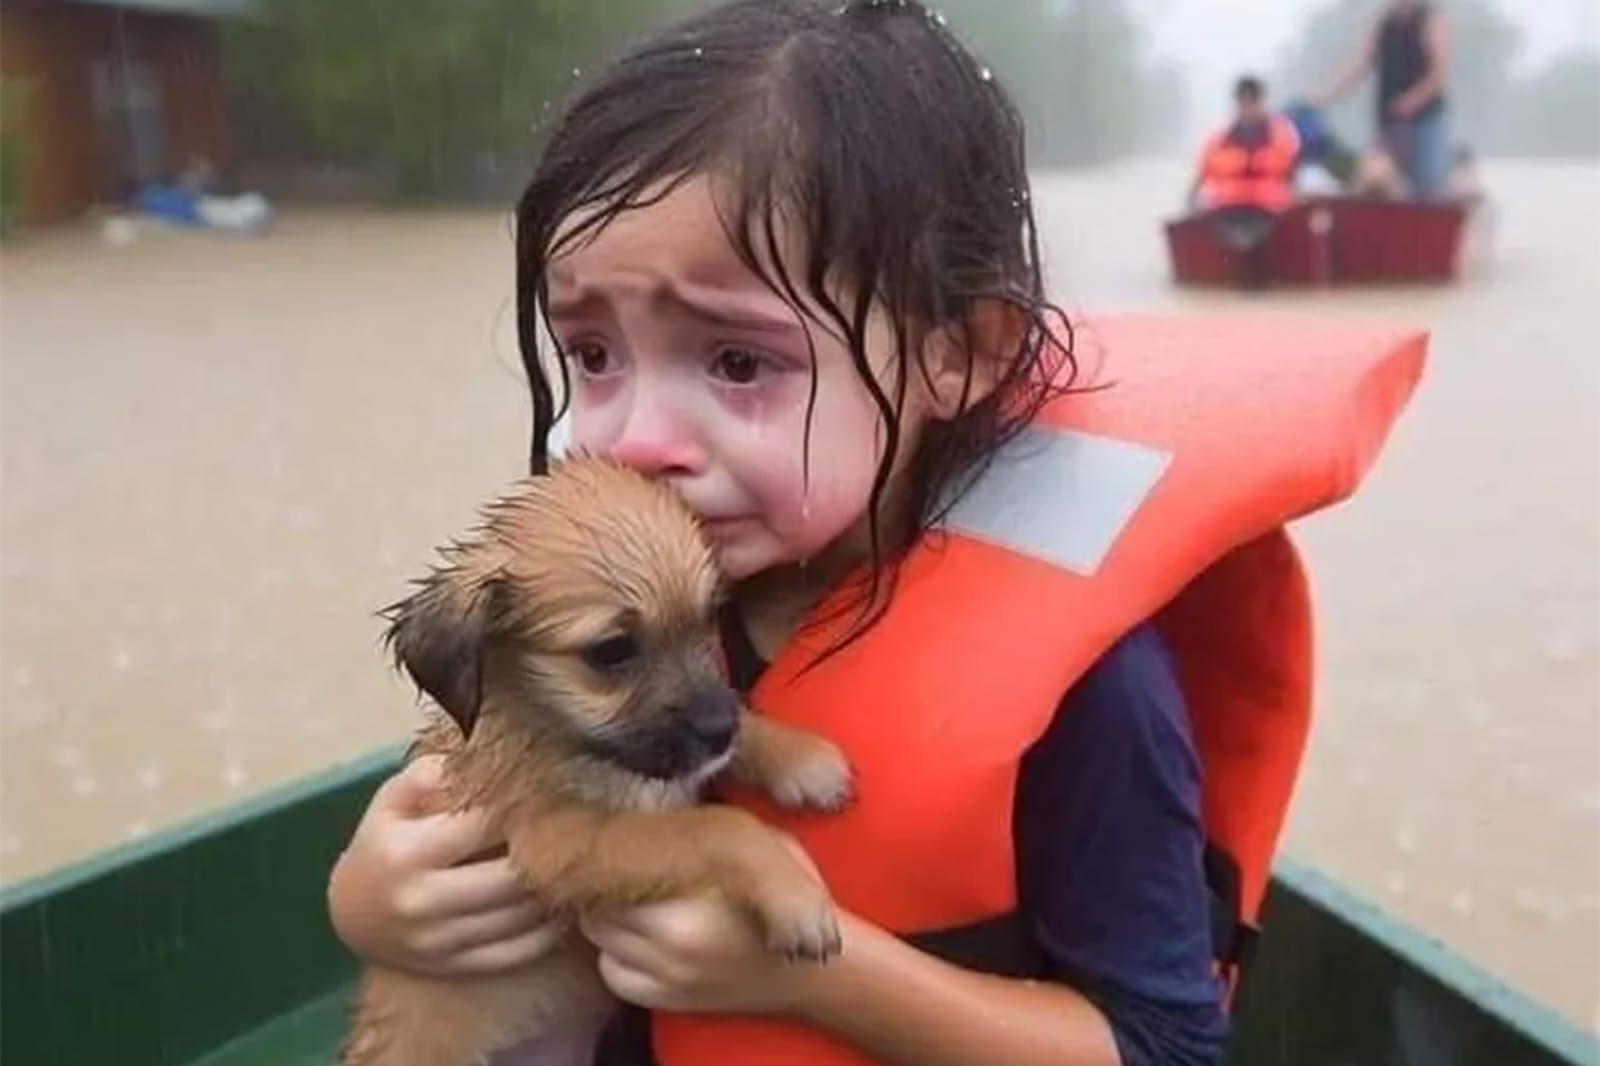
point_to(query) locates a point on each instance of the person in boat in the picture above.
(1246, 175)
(1410, 51)
(781, 257)
(1248, 167)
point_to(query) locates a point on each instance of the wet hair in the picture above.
(1249, 89)
(867, 130)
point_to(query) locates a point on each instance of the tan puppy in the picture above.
(573, 644)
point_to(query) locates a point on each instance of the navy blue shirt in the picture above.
(1110, 857)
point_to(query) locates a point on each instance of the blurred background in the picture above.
(224, 444)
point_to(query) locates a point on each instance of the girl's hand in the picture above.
(413, 891)
(699, 954)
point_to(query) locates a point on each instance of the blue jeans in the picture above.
(1421, 149)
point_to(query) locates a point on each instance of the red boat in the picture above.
(1326, 241)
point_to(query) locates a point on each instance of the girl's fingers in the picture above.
(631, 985)
(413, 788)
(469, 890)
(622, 941)
(471, 931)
(439, 840)
(510, 954)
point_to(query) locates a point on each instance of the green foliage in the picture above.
(429, 88)
(1079, 75)
(13, 159)
(438, 90)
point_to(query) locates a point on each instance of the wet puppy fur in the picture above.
(571, 646)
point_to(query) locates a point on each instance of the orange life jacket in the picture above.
(1162, 495)
(1237, 175)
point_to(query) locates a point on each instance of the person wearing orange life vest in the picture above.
(1079, 601)
(1249, 165)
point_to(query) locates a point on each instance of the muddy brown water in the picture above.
(219, 457)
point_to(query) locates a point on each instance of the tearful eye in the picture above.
(739, 366)
(612, 653)
(592, 359)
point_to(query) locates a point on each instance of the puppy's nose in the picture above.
(712, 715)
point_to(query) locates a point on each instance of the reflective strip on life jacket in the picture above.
(1092, 485)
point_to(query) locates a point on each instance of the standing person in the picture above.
(1410, 50)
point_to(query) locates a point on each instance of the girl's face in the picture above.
(686, 366)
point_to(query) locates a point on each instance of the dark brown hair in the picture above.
(869, 130)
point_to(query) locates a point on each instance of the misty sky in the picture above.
(1259, 30)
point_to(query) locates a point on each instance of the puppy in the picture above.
(571, 645)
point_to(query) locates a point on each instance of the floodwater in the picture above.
(221, 456)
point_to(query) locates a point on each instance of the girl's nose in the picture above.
(658, 445)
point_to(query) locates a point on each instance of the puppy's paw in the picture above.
(800, 924)
(813, 775)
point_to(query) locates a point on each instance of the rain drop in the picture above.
(1462, 902)
(1405, 840)
(699, 52)
(235, 775)
(67, 756)
(986, 74)
(577, 72)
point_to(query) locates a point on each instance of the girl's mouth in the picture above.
(725, 527)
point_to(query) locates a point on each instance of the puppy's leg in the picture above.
(583, 860)
(798, 769)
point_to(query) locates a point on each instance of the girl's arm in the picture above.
(903, 1006)
(887, 998)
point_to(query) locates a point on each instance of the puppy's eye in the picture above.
(610, 654)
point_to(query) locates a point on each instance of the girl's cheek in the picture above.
(595, 427)
(599, 410)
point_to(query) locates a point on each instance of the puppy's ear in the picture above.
(439, 633)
